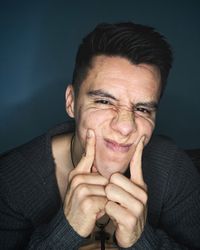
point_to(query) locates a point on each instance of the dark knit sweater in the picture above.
(31, 213)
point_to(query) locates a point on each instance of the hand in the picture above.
(85, 198)
(127, 205)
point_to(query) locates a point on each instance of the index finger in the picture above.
(136, 164)
(86, 162)
(87, 159)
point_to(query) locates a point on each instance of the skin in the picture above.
(115, 116)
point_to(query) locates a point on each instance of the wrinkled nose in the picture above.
(124, 122)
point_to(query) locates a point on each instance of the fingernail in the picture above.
(90, 133)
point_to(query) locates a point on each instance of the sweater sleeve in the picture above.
(58, 234)
(17, 232)
(179, 223)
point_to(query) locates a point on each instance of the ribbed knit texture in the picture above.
(31, 213)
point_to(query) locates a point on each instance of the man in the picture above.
(103, 182)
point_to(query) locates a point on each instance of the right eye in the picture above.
(102, 101)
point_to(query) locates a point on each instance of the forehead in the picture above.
(119, 74)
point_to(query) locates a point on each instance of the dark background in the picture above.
(38, 43)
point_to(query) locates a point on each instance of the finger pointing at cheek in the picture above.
(85, 198)
(127, 201)
(136, 165)
(86, 162)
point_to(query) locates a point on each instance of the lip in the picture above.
(117, 147)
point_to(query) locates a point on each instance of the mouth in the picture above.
(117, 147)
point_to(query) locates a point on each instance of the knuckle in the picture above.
(87, 204)
(109, 206)
(114, 177)
(131, 221)
(138, 209)
(108, 189)
(76, 181)
(144, 197)
(103, 180)
(81, 191)
(93, 204)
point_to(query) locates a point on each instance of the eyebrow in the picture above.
(151, 105)
(102, 93)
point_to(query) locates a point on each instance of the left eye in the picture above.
(105, 102)
(143, 110)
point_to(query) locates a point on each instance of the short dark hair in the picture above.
(135, 42)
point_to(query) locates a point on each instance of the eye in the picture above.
(102, 101)
(143, 110)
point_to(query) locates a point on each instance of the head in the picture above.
(120, 73)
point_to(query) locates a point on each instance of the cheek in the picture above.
(146, 128)
(93, 119)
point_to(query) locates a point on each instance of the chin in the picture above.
(107, 168)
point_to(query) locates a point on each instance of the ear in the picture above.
(69, 101)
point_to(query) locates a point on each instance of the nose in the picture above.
(124, 122)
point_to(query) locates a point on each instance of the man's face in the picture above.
(118, 101)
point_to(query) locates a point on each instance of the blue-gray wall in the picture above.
(38, 43)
